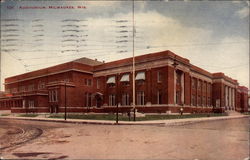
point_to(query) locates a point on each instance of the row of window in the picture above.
(17, 103)
(205, 86)
(201, 101)
(139, 76)
(140, 99)
(125, 78)
(30, 87)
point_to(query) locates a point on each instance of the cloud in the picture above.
(243, 13)
(157, 32)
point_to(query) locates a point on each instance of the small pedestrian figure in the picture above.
(129, 116)
(181, 110)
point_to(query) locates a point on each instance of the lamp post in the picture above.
(117, 113)
(65, 101)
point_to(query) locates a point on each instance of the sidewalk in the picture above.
(171, 122)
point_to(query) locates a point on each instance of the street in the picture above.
(214, 140)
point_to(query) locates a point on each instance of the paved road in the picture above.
(215, 140)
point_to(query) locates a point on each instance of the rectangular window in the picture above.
(193, 100)
(159, 76)
(204, 87)
(125, 78)
(208, 101)
(112, 100)
(111, 81)
(194, 83)
(22, 89)
(97, 84)
(14, 90)
(199, 85)
(89, 82)
(159, 97)
(178, 78)
(140, 98)
(209, 88)
(41, 85)
(31, 87)
(53, 96)
(125, 99)
(31, 104)
(88, 99)
(204, 100)
(199, 100)
(140, 76)
(178, 97)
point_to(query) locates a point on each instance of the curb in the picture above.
(185, 121)
(173, 122)
(84, 121)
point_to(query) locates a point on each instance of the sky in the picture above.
(213, 35)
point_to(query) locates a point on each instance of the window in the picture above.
(22, 89)
(193, 101)
(14, 90)
(204, 87)
(204, 100)
(112, 100)
(178, 97)
(199, 100)
(208, 101)
(53, 96)
(125, 78)
(208, 88)
(88, 82)
(140, 98)
(140, 76)
(159, 97)
(111, 80)
(193, 83)
(31, 87)
(159, 76)
(97, 84)
(31, 104)
(7, 90)
(88, 99)
(178, 78)
(125, 99)
(41, 85)
(199, 84)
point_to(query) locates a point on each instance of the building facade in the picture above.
(164, 83)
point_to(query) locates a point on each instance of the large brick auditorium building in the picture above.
(86, 85)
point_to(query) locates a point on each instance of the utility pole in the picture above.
(133, 60)
(65, 101)
(117, 113)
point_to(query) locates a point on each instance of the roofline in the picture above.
(49, 74)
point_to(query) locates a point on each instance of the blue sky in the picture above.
(213, 35)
